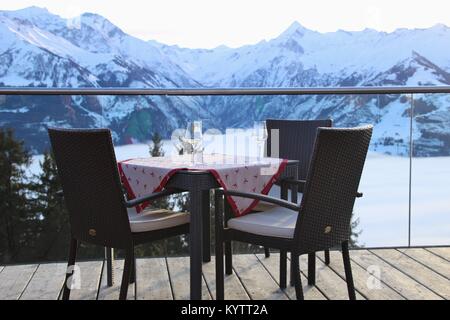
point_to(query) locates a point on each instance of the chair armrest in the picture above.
(299, 183)
(150, 197)
(294, 181)
(257, 196)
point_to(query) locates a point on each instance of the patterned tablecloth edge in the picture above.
(139, 208)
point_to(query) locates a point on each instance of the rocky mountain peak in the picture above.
(101, 24)
(294, 30)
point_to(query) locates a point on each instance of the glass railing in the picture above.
(406, 198)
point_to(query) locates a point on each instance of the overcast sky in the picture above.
(210, 23)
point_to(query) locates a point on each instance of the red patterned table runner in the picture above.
(144, 176)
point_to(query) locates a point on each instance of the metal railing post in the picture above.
(411, 145)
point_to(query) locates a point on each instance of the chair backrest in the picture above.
(92, 190)
(331, 187)
(296, 140)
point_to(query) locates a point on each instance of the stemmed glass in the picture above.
(260, 134)
(193, 138)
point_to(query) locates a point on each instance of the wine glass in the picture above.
(177, 141)
(192, 140)
(210, 139)
(194, 135)
(260, 134)
(197, 135)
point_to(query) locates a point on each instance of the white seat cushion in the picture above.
(155, 219)
(264, 206)
(276, 222)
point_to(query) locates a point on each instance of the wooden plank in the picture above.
(153, 280)
(430, 260)
(441, 252)
(361, 279)
(327, 281)
(90, 275)
(255, 278)
(180, 279)
(46, 283)
(416, 270)
(397, 280)
(14, 279)
(112, 293)
(233, 287)
(272, 264)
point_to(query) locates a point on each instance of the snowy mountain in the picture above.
(304, 58)
(38, 48)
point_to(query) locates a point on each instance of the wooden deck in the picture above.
(422, 273)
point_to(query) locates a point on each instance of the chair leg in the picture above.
(206, 222)
(348, 271)
(228, 258)
(220, 291)
(292, 273)
(267, 252)
(297, 277)
(109, 252)
(312, 269)
(327, 257)
(133, 268)
(70, 268)
(283, 268)
(218, 227)
(126, 274)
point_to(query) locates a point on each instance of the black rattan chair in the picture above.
(321, 221)
(97, 207)
(295, 139)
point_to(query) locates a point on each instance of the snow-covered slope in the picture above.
(325, 56)
(91, 40)
(300, 57)
(38, 48)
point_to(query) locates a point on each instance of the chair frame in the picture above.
(117, 236)
(290, 148)
(306, 239)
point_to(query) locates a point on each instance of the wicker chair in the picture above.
(97, 208)
(295, 141)
(320, 222)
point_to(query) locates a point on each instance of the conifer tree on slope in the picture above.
(15, 213)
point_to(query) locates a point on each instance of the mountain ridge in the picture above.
(38, 48)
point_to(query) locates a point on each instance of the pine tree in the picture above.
(53, 236)
(354, 232)
(156, 148)
(14, 207)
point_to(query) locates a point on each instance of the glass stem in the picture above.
(259, 151)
